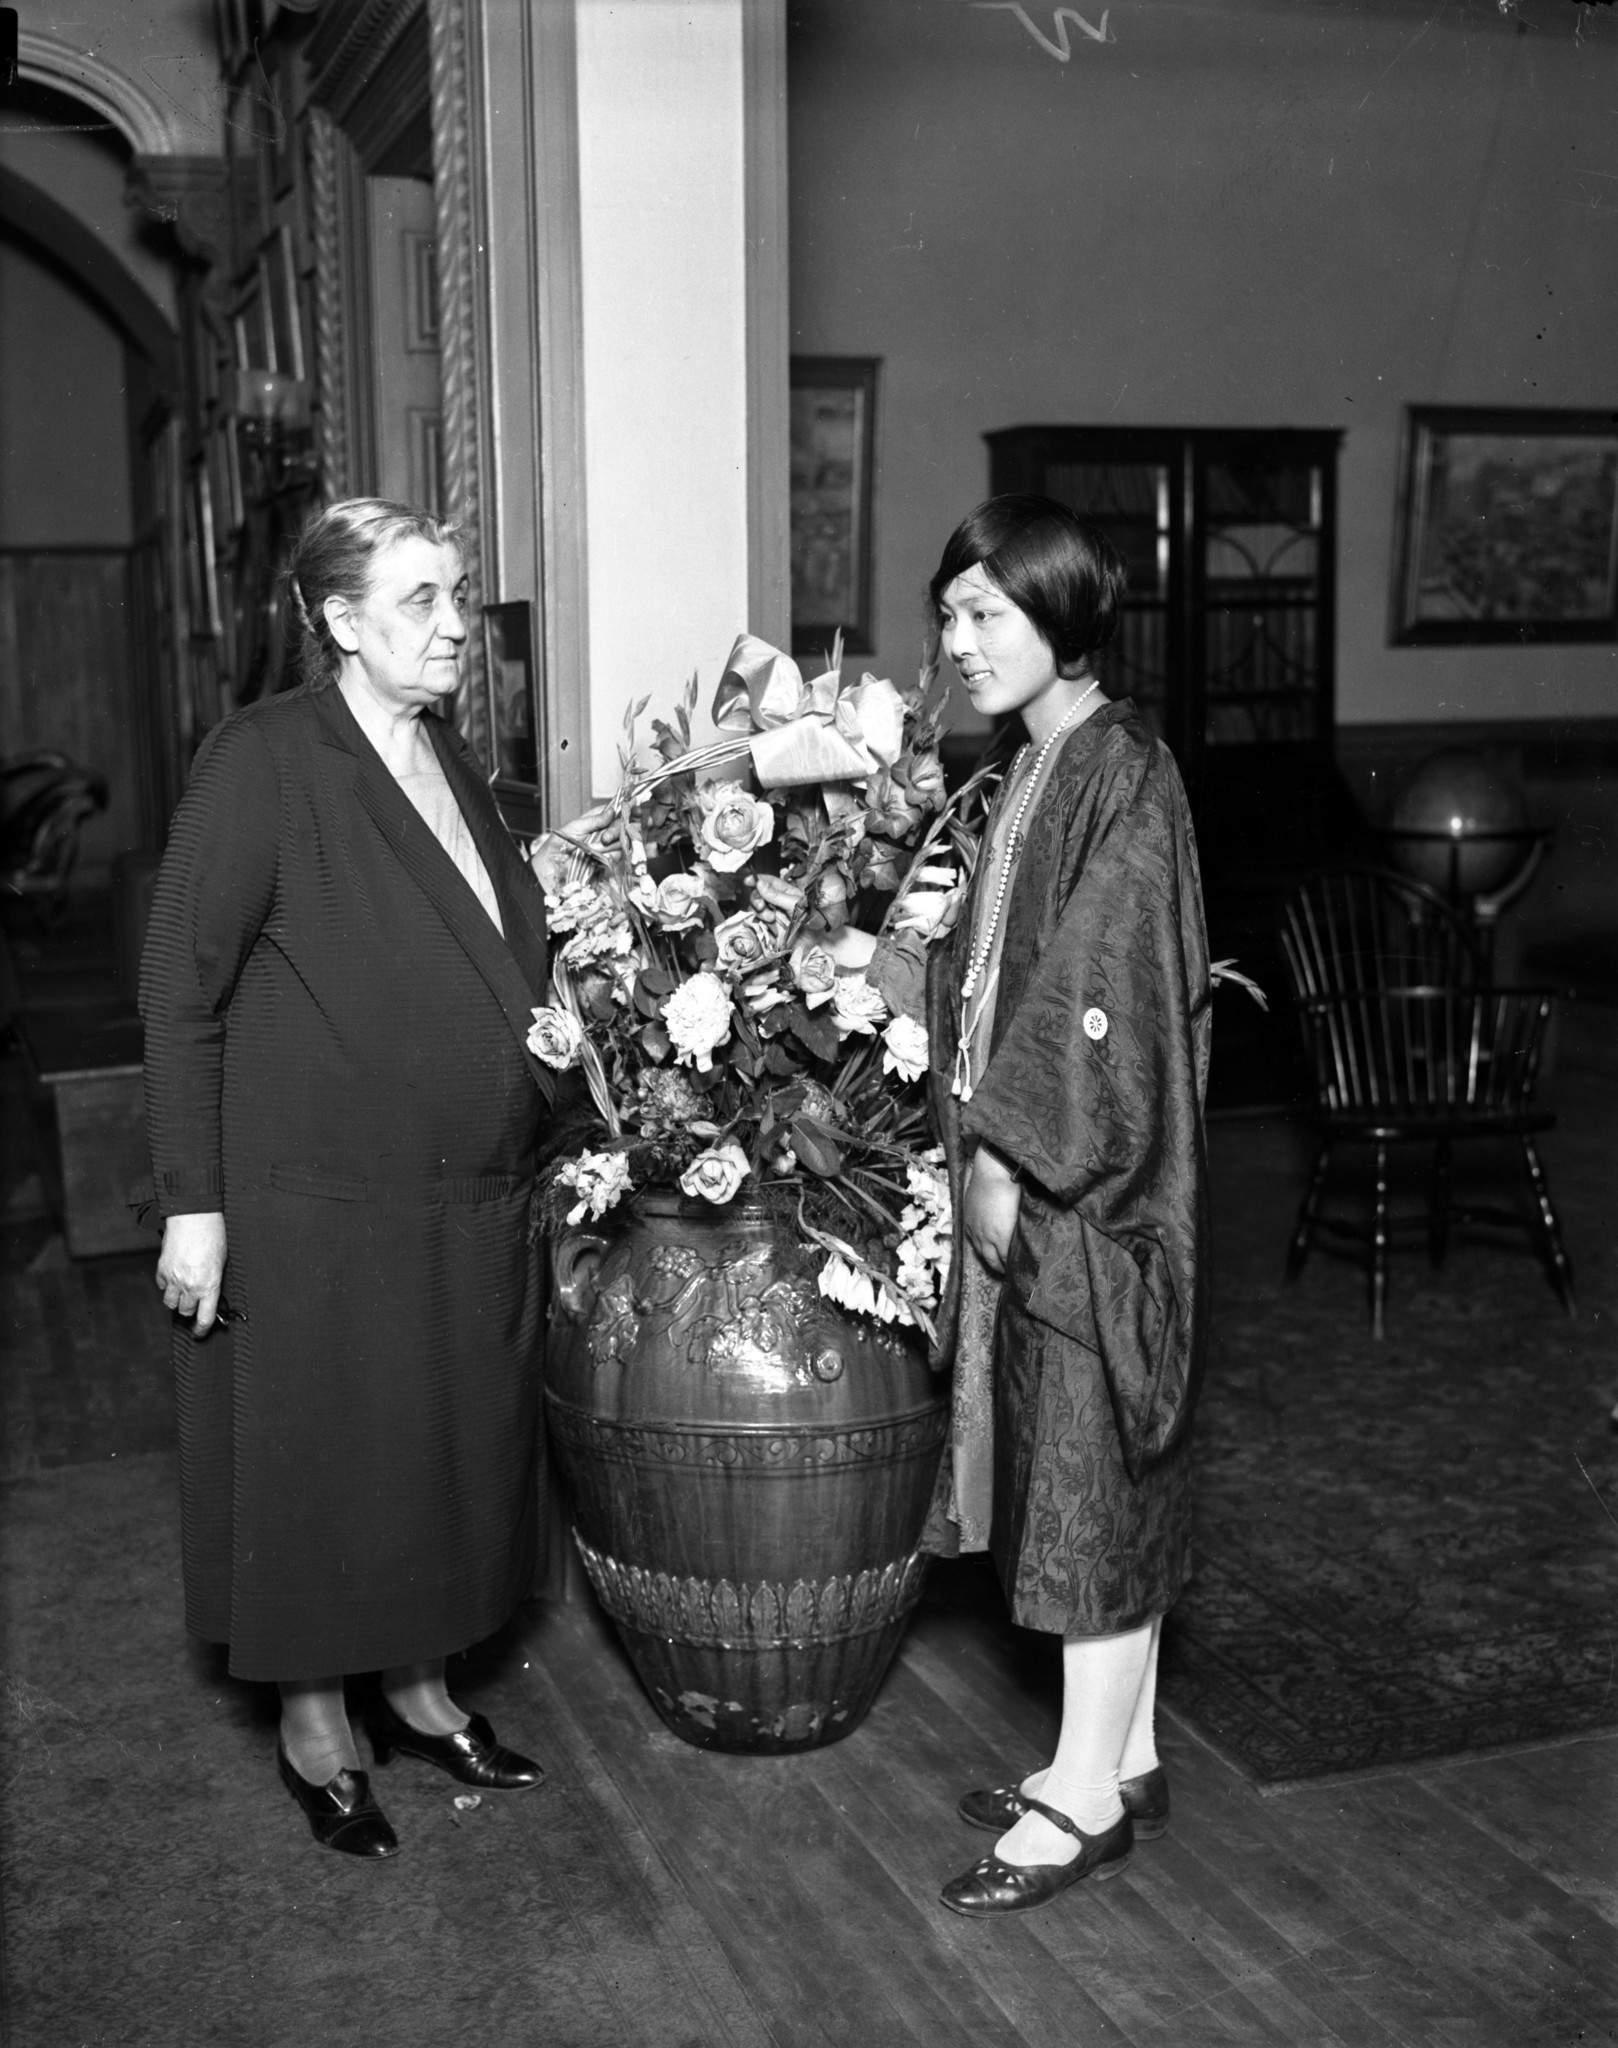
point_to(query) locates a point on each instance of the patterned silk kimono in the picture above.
(1093, 1089)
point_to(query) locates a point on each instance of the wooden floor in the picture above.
(158, 1887)
(1472, 1902)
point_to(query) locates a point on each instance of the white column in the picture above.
(665, 280)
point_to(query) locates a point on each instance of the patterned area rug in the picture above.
(1406, 1549)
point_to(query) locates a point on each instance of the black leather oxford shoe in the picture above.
(471, 1754)
(341, 1813)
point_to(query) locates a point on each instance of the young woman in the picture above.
(1070, 1015)
(344, 954)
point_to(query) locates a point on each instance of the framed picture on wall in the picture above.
(833, 467)
(1507, 527)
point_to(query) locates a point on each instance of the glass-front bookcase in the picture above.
(1229, 625)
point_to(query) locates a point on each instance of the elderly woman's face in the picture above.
(409, 632)
(1005, 663)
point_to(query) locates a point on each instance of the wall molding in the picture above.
(191, 194)
(350, 47)
(332, 415)
(463, 325)
(150, 127)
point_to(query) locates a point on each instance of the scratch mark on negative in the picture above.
(1405, 52)
(1596, 1490)
(1062, 48)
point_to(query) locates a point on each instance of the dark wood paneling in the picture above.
(66, 677)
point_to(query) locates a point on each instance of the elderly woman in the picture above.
(343, 957)
(1070, 1016)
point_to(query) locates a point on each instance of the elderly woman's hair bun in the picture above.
(334, 557)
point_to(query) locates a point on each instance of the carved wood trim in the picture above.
(463, 345)
(350, 46)
(330, 308)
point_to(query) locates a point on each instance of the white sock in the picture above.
(1140, 1746)
(1101, 1685)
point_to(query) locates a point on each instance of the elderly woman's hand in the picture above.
(990, 1207)
(191, 1266)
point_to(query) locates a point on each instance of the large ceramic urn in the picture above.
(750, 1467)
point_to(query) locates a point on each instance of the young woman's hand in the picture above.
(191, 1266)
(992, 1200)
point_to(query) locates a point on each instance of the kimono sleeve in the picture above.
(214, 894)
(1094, 1090)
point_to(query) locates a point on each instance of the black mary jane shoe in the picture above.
(1146, 1801)
(471, 1754)
(993, 1886)
(341, 1813)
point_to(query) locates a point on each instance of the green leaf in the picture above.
(655, 1040)
(815, 1148)
(778, 1060)
(815, 1032)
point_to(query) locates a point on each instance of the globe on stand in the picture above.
(1461, 826)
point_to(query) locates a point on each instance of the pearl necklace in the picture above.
(1013, 842)
(961, 1083)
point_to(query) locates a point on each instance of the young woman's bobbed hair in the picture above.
(1065, 575)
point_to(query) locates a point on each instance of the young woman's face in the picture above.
(1005, 663)
(410, 630)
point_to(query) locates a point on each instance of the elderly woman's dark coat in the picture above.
(1093, 1089)
(336, 1058)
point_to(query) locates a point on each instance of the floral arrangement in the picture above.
(716, 980)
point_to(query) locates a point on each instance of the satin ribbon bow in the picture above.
(804, 733)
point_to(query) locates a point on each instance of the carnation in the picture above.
(856, 1006)
(697, 1017)
(716, 1174)
(734, 825)
(600, 1178)
(904, 1049)
(555, 1037)
(666, 1099)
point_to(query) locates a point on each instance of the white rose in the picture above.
(697, 1018)
(815, 972)
(678, 905)
(555, 1038)
(904, 1049)
(734, 825)
(716, 1174)
(856, 1006)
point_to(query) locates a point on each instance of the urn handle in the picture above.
(575, 1264)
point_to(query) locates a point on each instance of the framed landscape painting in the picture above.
(1507, 527)
(833, 458)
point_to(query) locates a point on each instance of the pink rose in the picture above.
(734, 825)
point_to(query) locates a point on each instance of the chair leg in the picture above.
(1438, 1213)
(1304, 1230)
(1561, 1265)
(1379, 1241)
